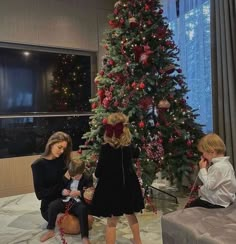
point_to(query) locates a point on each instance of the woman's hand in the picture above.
(75, 194)
(66, 192)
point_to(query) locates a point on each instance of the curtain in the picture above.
(223, 45)
(190, 23)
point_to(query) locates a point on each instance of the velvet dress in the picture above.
(118, 190)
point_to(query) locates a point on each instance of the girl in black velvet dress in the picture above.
(118, 190)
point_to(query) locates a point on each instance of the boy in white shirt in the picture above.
(219, 182)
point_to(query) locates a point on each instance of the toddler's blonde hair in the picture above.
(210, 143)
(76, 166)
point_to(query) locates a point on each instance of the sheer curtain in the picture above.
(190, 23)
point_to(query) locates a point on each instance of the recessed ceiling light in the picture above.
(26, 53)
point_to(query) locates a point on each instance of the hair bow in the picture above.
(116, 129)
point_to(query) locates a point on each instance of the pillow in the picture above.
(70, 224)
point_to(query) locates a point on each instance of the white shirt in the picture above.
(219, 182)
(73, 187)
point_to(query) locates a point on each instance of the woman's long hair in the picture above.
(124, 139)
(59, 136)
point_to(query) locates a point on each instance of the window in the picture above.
(190, 23)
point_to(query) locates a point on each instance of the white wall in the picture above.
(74, 24)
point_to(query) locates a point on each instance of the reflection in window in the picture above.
(28, 135)
(44, 81)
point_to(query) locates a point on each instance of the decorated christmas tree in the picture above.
(70, 77)
(141, 77)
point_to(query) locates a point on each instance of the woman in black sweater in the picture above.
(50, 170)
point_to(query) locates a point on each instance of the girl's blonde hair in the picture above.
(59, 136)
(210, 143)
(125, 138)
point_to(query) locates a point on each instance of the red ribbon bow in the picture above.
(116, 129)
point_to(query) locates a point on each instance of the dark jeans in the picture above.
(201, 203)
(78, 209)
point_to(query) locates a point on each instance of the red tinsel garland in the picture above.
(59, 221)
(150, 202)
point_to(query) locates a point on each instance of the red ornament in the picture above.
(149, 22)
(160, 141)
(104, 121)
(122, 21)
(133, 84)
(101, 94)
(141, 124)
(146, 7)
(189, 154)
(114, 24)
(110, 75)
(111, 62)
(168, 43)
(94, 105)
(115, 11)
(106, 102)
(101, 72)
(171, 140)
(116, 103)
(189, 143)
(141, 85)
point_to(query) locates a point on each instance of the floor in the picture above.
(21, 222)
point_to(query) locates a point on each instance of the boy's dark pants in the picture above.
(78, 209)
(201, 203)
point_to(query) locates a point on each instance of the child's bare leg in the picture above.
(134, 226)
(49, 234)
(111, 230)
(85, 240)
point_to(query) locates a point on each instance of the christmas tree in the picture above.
(70, 78)
(141, 77)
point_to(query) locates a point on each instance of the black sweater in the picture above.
(48, 178)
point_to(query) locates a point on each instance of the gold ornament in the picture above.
(164, 103)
